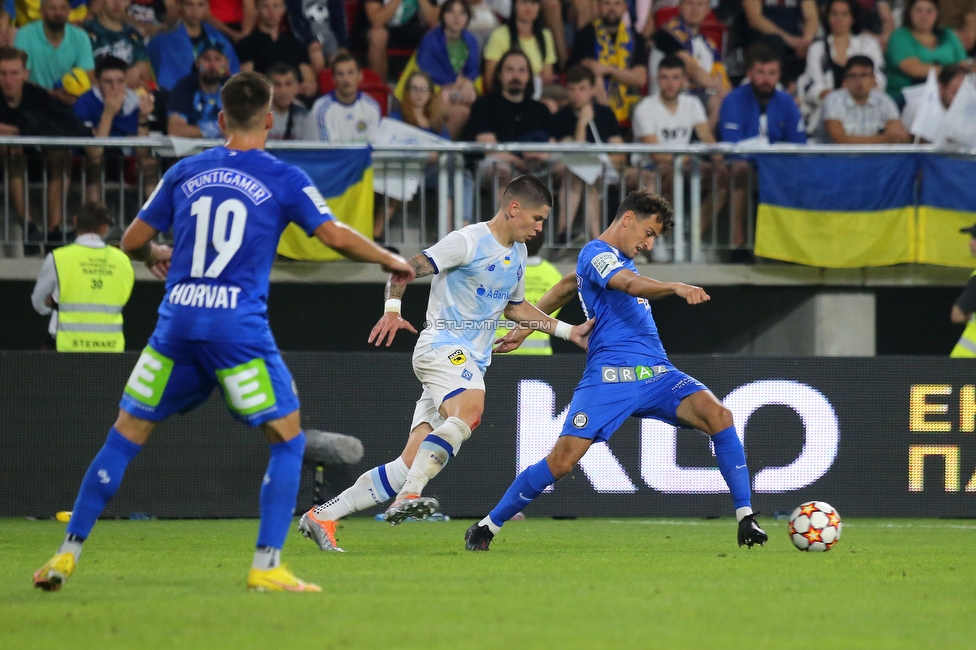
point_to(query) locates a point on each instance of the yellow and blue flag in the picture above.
(837, 212)
(947, 202)
(345, 178)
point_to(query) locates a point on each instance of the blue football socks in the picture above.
(101, 482)
(526, 487)
(731, 459)
(279, 492)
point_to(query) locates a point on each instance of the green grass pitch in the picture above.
(588, 583)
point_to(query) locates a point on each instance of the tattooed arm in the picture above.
(392, 321)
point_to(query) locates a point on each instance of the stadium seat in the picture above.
(371, 84)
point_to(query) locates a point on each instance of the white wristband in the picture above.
(392, 305)
(563, 330)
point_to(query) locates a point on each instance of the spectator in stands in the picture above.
(344, 115)
(449, 56)
(152, 17)
(289, 113)
(919, 46)
(859, 113)
(195, 100)
(26, 109)
(672, 117)
(583, 120)
(111, 35)
(757, 112)
(786, 26)
(173, 53)
(509, 114)
(321, 25)
(397, 24)
(616, 54)
(112, 110)
(960, 15)
(8, 31)
(54, 48)
(827, 58)
(950, 79)
(92, 304)
(681, 36)
(522, 32)
(267, 45)
(234, 18)
(420, 107)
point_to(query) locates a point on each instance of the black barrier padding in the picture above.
(56, 410)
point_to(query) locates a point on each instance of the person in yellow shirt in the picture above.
(963, 310)
(84, 287)
(535, 41)
(540, 276)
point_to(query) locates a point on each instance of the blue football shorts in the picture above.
(607, 395)
(173, 376)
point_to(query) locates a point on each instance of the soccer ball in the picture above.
(815, 526)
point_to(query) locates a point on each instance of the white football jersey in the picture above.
(476, 279)
(332, 121)
(652, 118)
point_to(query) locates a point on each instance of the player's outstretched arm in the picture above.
(392, 321)
(556, 298)
(351, 244)
(138, 244)
(530, 318)
(638, 286)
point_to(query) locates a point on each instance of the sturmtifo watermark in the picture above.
(491, 325)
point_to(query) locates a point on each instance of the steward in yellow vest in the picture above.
(540, 276)
(87, 284)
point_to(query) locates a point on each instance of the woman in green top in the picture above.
(919, 46)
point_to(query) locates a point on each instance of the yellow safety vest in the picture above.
(94, 285)
(539, 279)
(966, 346)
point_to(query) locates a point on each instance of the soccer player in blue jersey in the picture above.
(627, 371)
(478, 275)
(227, 208)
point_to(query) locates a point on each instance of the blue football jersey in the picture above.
(623, 323)
(227, 210)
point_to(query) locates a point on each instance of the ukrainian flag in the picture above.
(837, 212)
(345, 179)
(947, 203)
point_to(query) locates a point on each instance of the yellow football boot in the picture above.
(279, 578)
(52, 575)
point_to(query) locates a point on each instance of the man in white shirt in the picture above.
(345, 115)
(671, 117)
(950, 79)
(860, 114)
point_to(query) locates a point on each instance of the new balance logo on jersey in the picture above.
(211, 296)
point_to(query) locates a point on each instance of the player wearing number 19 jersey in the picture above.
(227, 208)
(627, 371)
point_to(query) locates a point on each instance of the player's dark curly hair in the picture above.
(246, 99)
(646, 204)
(529, 191)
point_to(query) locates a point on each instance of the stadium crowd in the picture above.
(600, 71)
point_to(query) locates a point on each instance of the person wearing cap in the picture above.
(54, 49)
(965, 308)
(173, 53)
(195, 101)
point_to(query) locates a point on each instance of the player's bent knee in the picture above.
(719, 419)
(134, 429)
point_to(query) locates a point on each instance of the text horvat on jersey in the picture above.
(204, 295)
(253, 188)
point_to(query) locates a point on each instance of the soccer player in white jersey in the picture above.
(478, 276)
(345, 115)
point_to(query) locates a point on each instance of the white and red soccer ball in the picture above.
(815, 526)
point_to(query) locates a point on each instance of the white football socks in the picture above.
(266, 558)
(369, 490)
(492, 526)
(71, 546)
(742, 513)
(433, 454)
